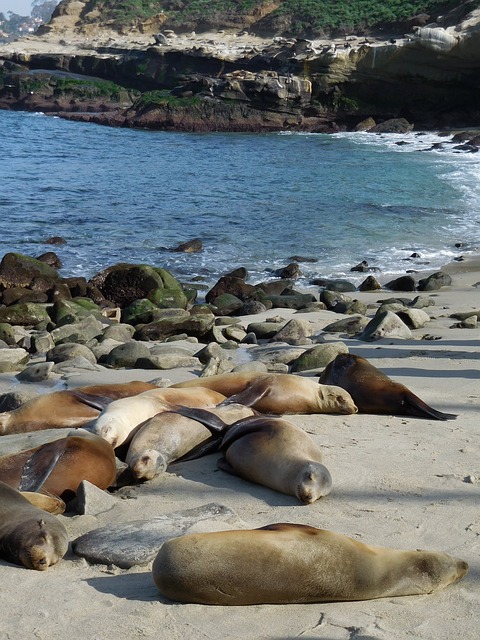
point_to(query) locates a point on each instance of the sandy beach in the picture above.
(400, 482)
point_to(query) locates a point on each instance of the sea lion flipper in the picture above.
(417, 407)
(91, 400)
(240, 428)
(205, 417)
(249, 396)
(40, 465)
(204, 448)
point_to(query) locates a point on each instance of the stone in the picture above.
(18, 270)
(12, 359)
(191, 246)
(435, 281)
(126, 355)
(264, 330)
(290, 301)
(352, 326)
(90, 500)
(38, 372)
(7, 333)
(318, 357)
(369, 284)
(226, 304)
(404, 283)
(414, 318)
(24, 314)
(79, 332)
(331, 299)
(166, 361)
(294, 331)
(71, 366)
(385, 325)
(234, 286)
(69, 350)
(41, 341)
(121, 332)
(136, 543)
(197, 325)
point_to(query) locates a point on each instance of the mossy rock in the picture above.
(169, 281)
(67, 311)
(24, 314)
(168, 298)
(18, 270)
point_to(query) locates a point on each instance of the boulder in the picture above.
(24, 314)
(18, 270)
(435, 281)
(385, 325)
(318, 357)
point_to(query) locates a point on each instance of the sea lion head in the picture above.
(107, 428)
(37, 547)
(148, 464)
(433, 571)
(313, 482)
(336, 400)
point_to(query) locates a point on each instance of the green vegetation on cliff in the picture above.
(293, 16)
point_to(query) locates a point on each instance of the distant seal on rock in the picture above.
(69, 408)
(277, 393)
(169, 435)
(277, 454)
(59, 467)
(122, 417)
(374, 392)
(294, 563)
(29, 536)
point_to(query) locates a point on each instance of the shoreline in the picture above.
(399, 482)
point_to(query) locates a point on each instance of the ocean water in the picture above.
(119, 195)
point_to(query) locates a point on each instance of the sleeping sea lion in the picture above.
(60, 466)
(374, 392)
(169, 436)
(277, 393)
(121, 418)
(294, 563)
(29, 536)
(276, 454)
(68, 408)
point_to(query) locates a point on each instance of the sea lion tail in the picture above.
(91, 400)
(210, 420)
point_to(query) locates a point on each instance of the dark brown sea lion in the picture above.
(29, 536)
(58, 467)
(69, 408)
(277, 393)
(276, 454)
(374, 392)
(294, 563)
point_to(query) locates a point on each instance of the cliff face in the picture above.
(431, 77)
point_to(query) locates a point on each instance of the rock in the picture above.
(414, 318)
(293, 301)
(252, 307)
(272, 354)
(254, 366)
(385, 325)
(226, 304)
(121, 332)
(168, 298)
(90, 500)
(12, 359)
(69, 350)
(67, 311)
(394, 125)
(126, 355)
(235, 286)
(24, 314)
(144, 311)
(340, 285)
(23, 441)
(318, 357)
(50, 258)
(18, 270)
(79, 332)
(38, 372)
(291, 271)
(166, 361)
(466, 314)
(264, 330)
(71, 366)
(352, 326)
(435, 281)
(191, 246)
(365, 125)
(197, 325)
(21, 295)
(136, 543)
(404, 283)
(420, 302)
(294, 332)
(234, 332)
(7, 334)
(369, 284)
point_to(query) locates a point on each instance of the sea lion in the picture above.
(374, 392)
(169, 435)
(276, 454)
(46, 502)
(277, 393)
(58, 467)
(68, 408)
(294, 563)
(29, 536)
(120, 419)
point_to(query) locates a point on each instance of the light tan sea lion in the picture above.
(294, 563)
(46, 502)
(69, 408)
(60, 466)
(276, 454)
(119, 420)
(169, 435)
(277, 393)
(29, 536)
(374, 392)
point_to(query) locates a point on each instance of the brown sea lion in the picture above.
(29, 536)
(169, 435)
(374, 392)
(294, 563)
(58, 467)
(276, 454)
(46, 502)
(277, 393)
(121, 418)
(68, 408)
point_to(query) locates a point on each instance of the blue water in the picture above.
(254, 200)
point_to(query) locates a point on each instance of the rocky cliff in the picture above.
(233, 81)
